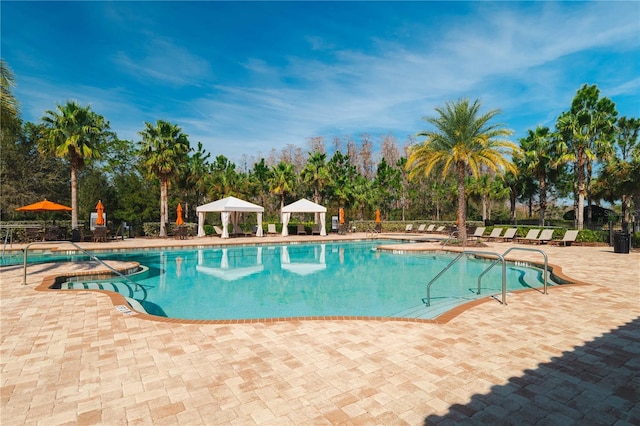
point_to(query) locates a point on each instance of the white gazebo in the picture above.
(303, 206)
(230, 209)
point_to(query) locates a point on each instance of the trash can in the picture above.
(621, 242)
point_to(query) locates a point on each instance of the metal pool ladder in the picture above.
(91, 256)
(500, 257)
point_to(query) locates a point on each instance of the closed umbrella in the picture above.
(341, 216)
(100, 210)
(377, 215)
(179, 219)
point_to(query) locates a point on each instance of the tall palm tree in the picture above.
(77, 134)
(8, 103)
(316, 174)
(282, 181)
(585, 133)
(537, 155)
(463, 141)
(164, 150)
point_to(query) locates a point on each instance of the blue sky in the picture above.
(246, 77)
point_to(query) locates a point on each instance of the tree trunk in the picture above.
(462, 213)
(74, 197)
(581, 189)
(163, 208)
(543, 198)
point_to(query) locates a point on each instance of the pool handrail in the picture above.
(474, 252)
(546, 265)
(91, 256)
(449, 238)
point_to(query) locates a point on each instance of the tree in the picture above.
(77, 134)
(387, 185)
(164, 150)
(586, 133)
(620, 177)
(316, 174)
(282, 181)
(463, 140)
(9, 110)
(537, 156)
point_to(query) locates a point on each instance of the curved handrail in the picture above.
(546, 263)
(91, 256)
(449, 238)
(474, 252)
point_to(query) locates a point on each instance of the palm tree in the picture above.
(316, 174)
(282, 181)
(585, 133)
(77, 134)
(537, 156)
(164, 150)
(8, 103)
(463, 141)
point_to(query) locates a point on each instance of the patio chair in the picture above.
(301, 230)
(408, 228)
(100, 234)
(315, 229)
(568, 238)
(33, 234)
(218, 230)
(421, 228)
(531, 236)
(478, 232)
(271, 229)
(545, 236)
(495, 234)
(509, 234)
(181, 232)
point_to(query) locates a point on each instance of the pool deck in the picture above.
(569, 357)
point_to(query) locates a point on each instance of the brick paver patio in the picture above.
(569, 357)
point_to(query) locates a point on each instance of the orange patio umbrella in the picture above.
(179, 220)
(341, 216)
(377, 215)
(44, 206)
(100, 210)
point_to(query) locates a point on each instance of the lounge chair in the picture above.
(509, 234)
(430, 228)
(315, 229)
(301, 230)
(478, 232)
(218, 230)
(545, 236)
(408, 228)
(441, 229)
(271, 229)
(495, 234)
(421, 228)
(568, 238)
(531, 236)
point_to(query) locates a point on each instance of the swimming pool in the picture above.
(332, 279)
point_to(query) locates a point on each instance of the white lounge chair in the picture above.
(441, 229)
(509, 234)
(408, 228)
(218, 230)
(531, 236)
(271, 229)
(568, 238)
(430, 228)
(545, 236)
(495, 234)
(478, 232)
(421, 228)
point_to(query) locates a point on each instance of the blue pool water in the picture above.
(301, 280)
